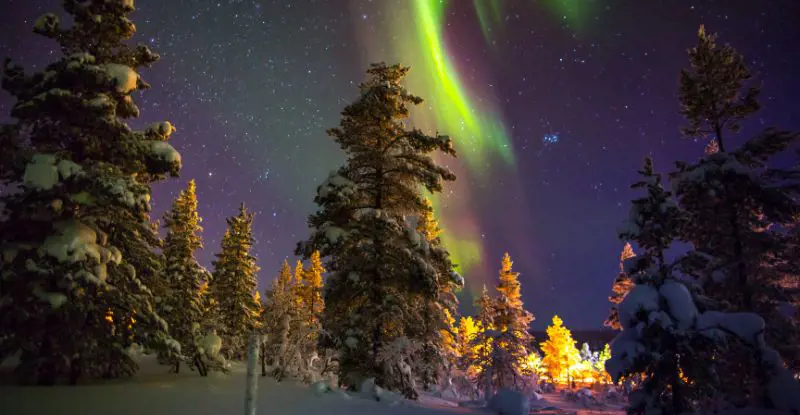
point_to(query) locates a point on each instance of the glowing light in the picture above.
(477, 130)
(551, 138)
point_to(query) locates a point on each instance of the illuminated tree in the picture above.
(622, 284)
(235, 283)
(312, 290)
(384, 279)
(84, 181)
(468, 330)
(560, 353)
(183, 307)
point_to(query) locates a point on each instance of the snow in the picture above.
(56, 300)
(45, 22)
(125, 78)
(68, 168)
(211, 344)
(746, 326)
(641, 297)
(153, 391)
(41, 172)
(625, 349)
(73, 243)
(162, 129)
(334, 234)
(680, 303)
(508, 402)
(165, 151)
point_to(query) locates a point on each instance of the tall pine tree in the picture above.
(76, 238)
(739, 201)
(382, 274)
(622, 285)
(511, 323)
(185, 305)
(234, 285)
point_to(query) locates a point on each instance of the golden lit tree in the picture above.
(312, 283)
(560, 353)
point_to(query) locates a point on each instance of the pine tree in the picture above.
(439, 358)
(511, 321)
(313, 303)
(673, 336)
(72, 234)
(560, 353)
(738, 202)
(622, 285)
(383, 278)
(185, 307)
(312, 281)
(674, 371)
(234, 285)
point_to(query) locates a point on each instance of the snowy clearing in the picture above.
(154, 392)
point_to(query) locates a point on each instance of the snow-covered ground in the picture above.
(154, 392)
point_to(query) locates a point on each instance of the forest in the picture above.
(90, 281)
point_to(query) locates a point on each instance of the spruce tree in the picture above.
(663, 353)
(511, 322)
(739, 203)
(234, 285)
(560, 353)
(185, 306)
(76, 237)
(672, 334)
(382, 276)
(622, 285)
(313, 303)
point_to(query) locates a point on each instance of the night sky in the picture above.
(553, 104)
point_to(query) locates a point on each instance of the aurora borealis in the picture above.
(552, 105)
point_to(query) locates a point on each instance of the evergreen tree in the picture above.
(672, 335)
(76, 238)
(312, 281)
(511, 322)
(738, 201)
(312, 302)
(560, 353)
(622, 284)
(383, 278)
(235, 283)
(438, 354)
(653, 224)
(185, 306)
(282, 326)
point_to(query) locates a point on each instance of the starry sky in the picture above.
(552, 104)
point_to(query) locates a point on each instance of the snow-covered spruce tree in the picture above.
(185, 306)
(481, 344)
(438, 352)
(511, 339)
(312, 304)
(234, 285)
(285, 328)
(79, 214)
(382, 273)
(654, 341)
(671, 335)
(738, 202)
(622, 284)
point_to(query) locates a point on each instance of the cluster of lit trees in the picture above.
(495, 349)
(558, 360)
